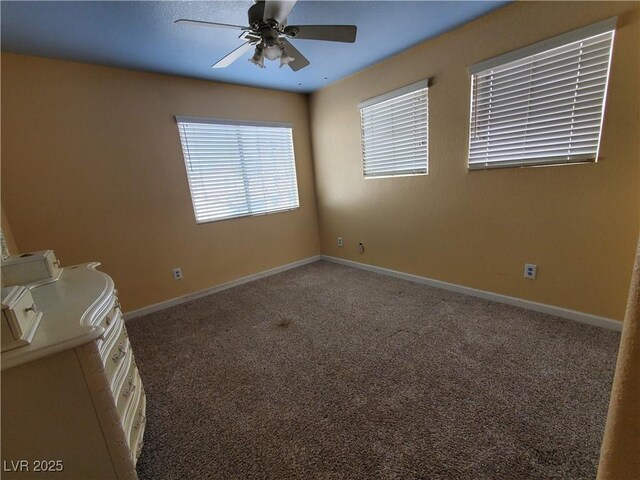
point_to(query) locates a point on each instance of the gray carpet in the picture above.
(328, 372)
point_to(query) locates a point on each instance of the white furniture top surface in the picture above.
(72, 307)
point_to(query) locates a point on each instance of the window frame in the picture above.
(407, 89)
(559, 41)
(180, 119)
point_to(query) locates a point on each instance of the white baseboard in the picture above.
(218, 288)
(496, 297)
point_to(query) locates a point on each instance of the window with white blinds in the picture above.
(237, 169)
(395, 135)
(541, 105)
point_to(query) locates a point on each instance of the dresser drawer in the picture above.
(135, 430)
(131, 416)
(126, 391)
(117, 356)
(20, 317)
(130, 411)
(110, 336)
(109, 319)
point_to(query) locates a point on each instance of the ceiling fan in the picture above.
(269, 33)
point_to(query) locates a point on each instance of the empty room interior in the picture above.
(320, 240)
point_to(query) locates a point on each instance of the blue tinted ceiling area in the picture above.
(142, 35)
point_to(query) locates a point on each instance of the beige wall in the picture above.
(92, 168)
(578, 223)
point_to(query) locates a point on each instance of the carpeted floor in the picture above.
(328, 372)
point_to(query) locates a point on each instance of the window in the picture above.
(543, 104)
(237, 169)
(395, 132)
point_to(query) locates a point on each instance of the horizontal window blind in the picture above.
(237, 169)
(395, 132)
(545, 108)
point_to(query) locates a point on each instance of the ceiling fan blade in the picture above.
(233, 56)
(209, 24)
(331, 33)
(299, 61)
(278, 10)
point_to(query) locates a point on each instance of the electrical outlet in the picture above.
(360, 247)
(177, 273)
(340, 242)
(530, 270)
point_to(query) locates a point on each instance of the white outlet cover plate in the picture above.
(530, 270)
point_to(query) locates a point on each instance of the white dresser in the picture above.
(73, 399)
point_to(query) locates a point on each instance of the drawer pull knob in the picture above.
(120, 354)
(32, 308)
(131, 388)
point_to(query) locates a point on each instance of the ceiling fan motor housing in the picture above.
(269, 30)
(256, 14)
(269, 36)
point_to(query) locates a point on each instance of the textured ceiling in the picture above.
(142, 35)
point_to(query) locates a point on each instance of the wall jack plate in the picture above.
(340, 242)
(530, 271)
(177, 273)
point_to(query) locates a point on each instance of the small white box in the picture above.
(20, 317)
(27, 268)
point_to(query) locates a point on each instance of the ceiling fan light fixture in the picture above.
(273, 52)
(258, 58)
(285, 59)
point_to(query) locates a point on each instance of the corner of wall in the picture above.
(7, 232)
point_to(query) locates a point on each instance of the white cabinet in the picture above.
(74, 395)
(42, 267)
